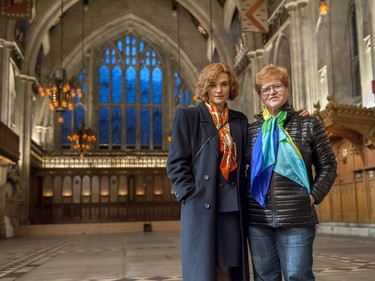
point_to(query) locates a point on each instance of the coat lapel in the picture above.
(235, 130)
(208, 128)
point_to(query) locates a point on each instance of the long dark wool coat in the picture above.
(195, 186)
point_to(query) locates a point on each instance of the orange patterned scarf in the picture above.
(227, 145)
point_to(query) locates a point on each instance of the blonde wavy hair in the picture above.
(209, 73)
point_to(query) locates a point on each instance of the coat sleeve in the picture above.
(324, 161)
(180, 156)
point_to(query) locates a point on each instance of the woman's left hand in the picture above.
(312, 200)
(303, 113)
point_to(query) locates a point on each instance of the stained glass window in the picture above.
(116, 126)
(66, 128)
(103, 126)
(130, 126)
(116, 84)
(157, 79)
(79, 116)
(157, 127)
(145, 127)
(131, 74)
(103, 84)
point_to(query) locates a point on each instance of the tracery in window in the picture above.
(182, 95)
(130, 74)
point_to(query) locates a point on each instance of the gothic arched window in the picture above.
(131, 89)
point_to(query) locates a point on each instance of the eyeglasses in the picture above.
(268, 90)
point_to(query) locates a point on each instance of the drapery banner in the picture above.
(254, 15)
(18, 9)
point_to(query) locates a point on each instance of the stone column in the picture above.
(5, 47)
(25, 90)
(296, 48)
(371, 5)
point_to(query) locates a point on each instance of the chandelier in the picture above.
(82, 139)
(61, 93)
(59, 89)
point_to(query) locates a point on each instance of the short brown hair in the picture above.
(269, 72)
(209, 73)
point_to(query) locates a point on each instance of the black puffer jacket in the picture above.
(288, 203)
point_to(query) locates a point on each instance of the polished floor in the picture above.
(153, 256)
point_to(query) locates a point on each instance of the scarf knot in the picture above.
(227, 145)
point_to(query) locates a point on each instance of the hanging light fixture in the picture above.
(323, 8)
(59, 89)
(82, 139)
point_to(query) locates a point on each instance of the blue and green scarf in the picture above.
(275, 151)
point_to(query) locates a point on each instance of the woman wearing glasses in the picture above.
(285, 148)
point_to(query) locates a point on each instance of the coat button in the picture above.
(207, 206)
(206, 177)
(176, 195)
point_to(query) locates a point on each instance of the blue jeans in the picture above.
(284, 250)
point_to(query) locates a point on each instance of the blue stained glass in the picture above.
(116, 126)
(113, 60)
(153, 62)
(119, 45)
(147, 61)
(153, 53)
(107, 59)
(157, 85)
(103, 84)
(131, 76)
(134, 51)
(127, 50)
(127, 61)
(66, 127)
(147, 53)
(116, 84)
(127, 39)
(182, 100)
(103, 125)
(188, 98)
(134, 61)
(141, 46)
(145, 126)
(145, 85)
(107, 52)
(84, 89)
(157, 127)
(130, 126)
(113, 52)
(134, 40)
(79, 116)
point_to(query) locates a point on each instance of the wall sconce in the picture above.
(122, 193)
(48, 194)
(169, 138)
(86, 194)
(67, 194)
(104, 193)
(158, 193)
(344, 156)
(323, 8)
